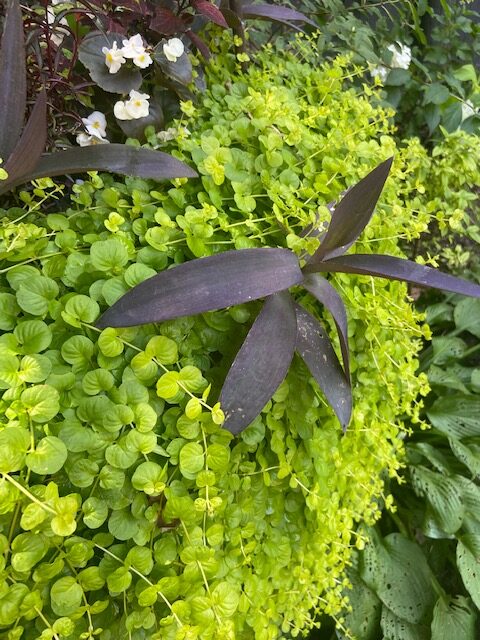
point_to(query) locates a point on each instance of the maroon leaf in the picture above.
(315, 348)
(205, 284)
(328, 296)
(261, 364)
(166, 22)
(13, 90)
(114, 158)
(31, 145)
(352, 214)
(210, 11)
(397, 269)
(272, 12)
(199, 44)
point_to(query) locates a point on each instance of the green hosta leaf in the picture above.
(469, 566)
(467, 316)
(191, 459)
(95, 512)
(363, 619)
(447, 348)
(443, 494)
(466, 455)
(42, 402)
(162, 349)
(445, 378)
(457, 416)
(119, 580)
(396, 629)
(109, 255)
(49, 456)
(34, 336)
(90, 54)
(9, 311)
(35, 294)
(453, 619)
(150, 477)
(14, 444)
(66, 596)
(80, 309)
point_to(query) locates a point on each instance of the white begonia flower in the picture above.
(379, 72)
(143, 60)
(136, 107)
(96, 124)
(402, 55)
(86, 140)
(113, 58)
(468, 110)
(173, 49)
(133, 46)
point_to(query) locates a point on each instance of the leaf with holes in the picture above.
(457, 416)
(443, 494)
(454, 618)
(469, 566)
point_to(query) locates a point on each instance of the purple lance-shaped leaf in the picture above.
(316, 350)
(328, 296)
(13, 90)
(261, 364)
(273, 12)
(352, 214)
(32, 142)
(205, 284)
(397, 269)
(114, 158)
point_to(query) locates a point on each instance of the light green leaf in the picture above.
(28, 550)
(66, 596)
(118, 456)
(49, 456)
(35, 368)
(167, 385)
(35, 294)
(78, 351)
(191, 459)
(122, 525)
(453, 619)
(80, 308)
(9, 311)
(149, 477)
(225, 599)
(163, 349)
(145, 417)
(119, 580)
(34, 336)
(14, 443)
(42, 402)
(109, 343)
(96, 381)
(109, 255)
(95, 512)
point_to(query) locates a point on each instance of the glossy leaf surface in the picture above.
(205, 284)
(261, 364)
(31, 145)
(315, 348)
(328, 296)
(115, 158)
(353, 213)
(13, 89)
(397, 269)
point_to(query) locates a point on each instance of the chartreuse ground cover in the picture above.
(127, 511)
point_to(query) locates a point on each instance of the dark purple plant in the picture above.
(283, 326)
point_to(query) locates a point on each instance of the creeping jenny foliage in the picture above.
(126, 510)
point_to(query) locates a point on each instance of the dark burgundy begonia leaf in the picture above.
(329, 297)
(352, 214)
(166, 22)
(276, 13)
(13, 89)
(397, 269)
(205, 284)
(31, 145)
(199, 44)
(114, 158)
(261, 364)
(316, 350)
(210, 11)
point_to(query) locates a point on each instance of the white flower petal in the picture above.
(173, 49)
(120, 111)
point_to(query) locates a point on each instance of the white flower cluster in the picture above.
(134, 49)
(401, 58)
(95, 130)
(136, 107)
